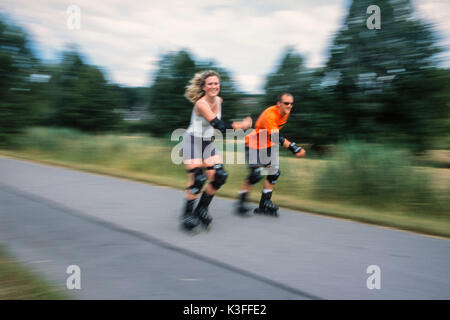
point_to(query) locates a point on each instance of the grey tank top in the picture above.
(199, 126)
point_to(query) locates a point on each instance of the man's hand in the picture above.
(297, 150)
(301, 153)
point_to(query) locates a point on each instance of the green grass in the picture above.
(370, 184)
(381, 177)
(18, 283)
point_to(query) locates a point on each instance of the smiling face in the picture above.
(211, 86)
(285, 104)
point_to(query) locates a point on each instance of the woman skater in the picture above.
(199, 155)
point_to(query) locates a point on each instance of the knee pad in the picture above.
(219, 177)
(255, 176)
(199, 180)
(273, 177)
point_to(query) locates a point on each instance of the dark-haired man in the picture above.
(260, 149)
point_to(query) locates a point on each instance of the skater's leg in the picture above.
(196, 180)
(268, 185)
(192, 159)
(217, 177)
(254, 177)
(201, 212)
(265, 204)
(213, 164)
(243, 194)
(189, 220)
(246, 187)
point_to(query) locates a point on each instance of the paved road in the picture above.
(124, 235)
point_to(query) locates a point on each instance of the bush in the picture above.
(378, 176)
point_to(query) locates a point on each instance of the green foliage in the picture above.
(377, 176)
(137, 96)
(48, 140)
(289, 77)
(312, 119)
(378, 85)
(18, 282)
(77, 95)
(168, 108)
(381, 89)
(17, 62)
(82, 98)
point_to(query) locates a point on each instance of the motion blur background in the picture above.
(371, 105)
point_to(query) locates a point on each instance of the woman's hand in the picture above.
(247, 123)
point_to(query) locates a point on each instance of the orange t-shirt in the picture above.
(268, 122)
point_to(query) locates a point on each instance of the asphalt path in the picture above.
(126, 240)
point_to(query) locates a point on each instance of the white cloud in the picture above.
(437, 12)
(127, 37)
(250, 82)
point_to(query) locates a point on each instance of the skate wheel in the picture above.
(241, 212)
(206, 223)
(268, 213)
(189, 223)
(188, 226)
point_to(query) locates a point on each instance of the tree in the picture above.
(310, 119)
(17, 63)
(82, 98)
(385, 84)
(168, 108)
(290, 76)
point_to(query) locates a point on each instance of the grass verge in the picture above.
(18, 283)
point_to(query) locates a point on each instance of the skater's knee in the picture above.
(272, 179)
(220, 176)
(199, 180)
(255, 175)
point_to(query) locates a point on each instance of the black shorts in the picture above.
(197, 147)
(260, 157)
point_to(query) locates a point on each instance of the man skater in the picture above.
(259, 148)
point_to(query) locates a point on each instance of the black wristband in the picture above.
(282, 140)
(294, 148)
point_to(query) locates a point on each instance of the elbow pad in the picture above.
(220, 125)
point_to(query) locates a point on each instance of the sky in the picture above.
(127, 38)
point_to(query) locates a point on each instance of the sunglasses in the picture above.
(287, 103)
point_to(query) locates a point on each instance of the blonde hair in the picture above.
(194, 91)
